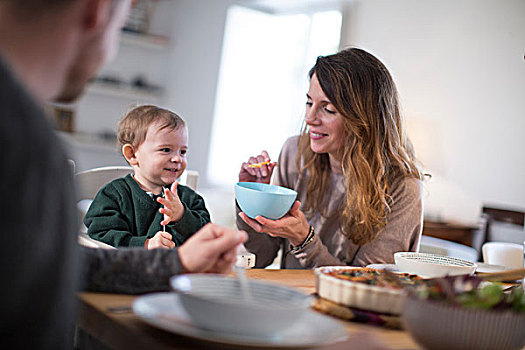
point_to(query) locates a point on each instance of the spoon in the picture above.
(163, 196)
(245, 285)
(508, 275)
(258, 165)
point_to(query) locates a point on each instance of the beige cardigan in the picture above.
(330, 246)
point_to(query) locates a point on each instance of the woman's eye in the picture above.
(329, 111)
(309, 104)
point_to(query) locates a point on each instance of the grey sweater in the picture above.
(128, 270)
(330, 246)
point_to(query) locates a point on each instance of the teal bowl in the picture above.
(269, 201)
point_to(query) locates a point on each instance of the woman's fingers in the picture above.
(260, 171)
(252, 223)
(295, 209)
(267, 223)
(247, 169)
(261, 159)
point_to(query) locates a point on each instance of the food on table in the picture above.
(470, 292)
(258, 165)
(364, 288)
(375, 277)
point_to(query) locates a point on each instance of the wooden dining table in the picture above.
(109, 319)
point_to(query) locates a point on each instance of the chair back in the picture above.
(89, 182)
(504, 225)
(92, 180)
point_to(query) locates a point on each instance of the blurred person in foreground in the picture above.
(49, 50)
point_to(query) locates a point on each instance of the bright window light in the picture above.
(263, 83)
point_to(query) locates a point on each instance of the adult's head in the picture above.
(365, 138)
(56, 46)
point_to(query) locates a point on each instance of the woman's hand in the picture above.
(257, 174)
(293, 226)
(173, 209)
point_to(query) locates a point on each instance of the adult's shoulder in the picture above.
(291, 145)
(287, 171)
(289, 151)
(407, 187)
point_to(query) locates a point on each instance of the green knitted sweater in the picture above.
(124, 215)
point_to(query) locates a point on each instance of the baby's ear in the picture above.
(129, 153)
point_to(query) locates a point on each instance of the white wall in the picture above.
(194, 68)
(460, 69)
(458, 65)
(187, 69)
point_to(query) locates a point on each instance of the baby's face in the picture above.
(161, 157)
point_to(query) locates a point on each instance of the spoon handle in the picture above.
(240, 272)
(509, 275)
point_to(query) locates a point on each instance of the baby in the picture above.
(149, 208)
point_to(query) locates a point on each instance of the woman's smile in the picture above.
(317, 136)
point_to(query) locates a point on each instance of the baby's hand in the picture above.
(160, 240)
(173, 208)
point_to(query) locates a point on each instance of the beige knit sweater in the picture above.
(330, 246)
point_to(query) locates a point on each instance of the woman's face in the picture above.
(325, 124)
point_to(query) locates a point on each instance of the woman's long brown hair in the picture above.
(376, 150)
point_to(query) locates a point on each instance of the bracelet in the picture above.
(309, 239)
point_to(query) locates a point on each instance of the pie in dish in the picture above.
(363, 288)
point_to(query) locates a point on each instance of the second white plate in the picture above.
(488, 268)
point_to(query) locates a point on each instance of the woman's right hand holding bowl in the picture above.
(257, 169)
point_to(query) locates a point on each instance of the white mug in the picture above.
(245, 259)
(503, 253)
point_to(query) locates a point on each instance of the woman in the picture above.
(359, 189)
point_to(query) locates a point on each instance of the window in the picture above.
(263, 83)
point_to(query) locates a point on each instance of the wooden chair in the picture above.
(504, 225)
(89, 182)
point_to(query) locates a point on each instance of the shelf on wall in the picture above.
(122, 92)
(95, 140)
(147, 41)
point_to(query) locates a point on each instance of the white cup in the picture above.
(245, 259)
(503, 253)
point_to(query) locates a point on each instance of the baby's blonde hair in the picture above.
(134, 125)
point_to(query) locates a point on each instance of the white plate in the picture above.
(163, 310)
(482, 267)
(390, 267)
(433, 265)
(488, 268)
